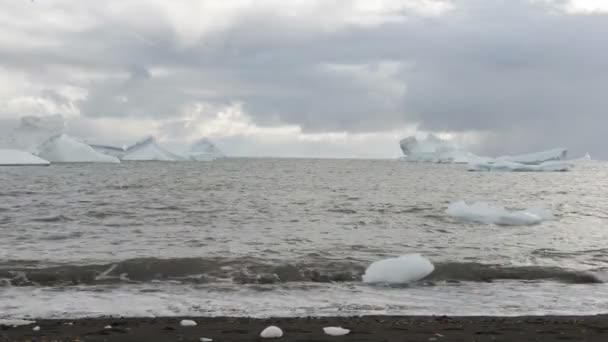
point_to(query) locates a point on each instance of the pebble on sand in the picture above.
(272, 332)
(336, 331)
(187, 323)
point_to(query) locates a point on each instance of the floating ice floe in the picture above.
(507, 166)
(188, 323)
(492, 214)
(402, 270)
(65, 149)
(149, 150)
(336, 331)
(272, 332)
(9, 157)
(204, 150)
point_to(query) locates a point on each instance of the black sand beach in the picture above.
(369, 328)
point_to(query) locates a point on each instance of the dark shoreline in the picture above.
(366, 328)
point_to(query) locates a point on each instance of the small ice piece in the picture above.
(36, 328)
(492, 214)
(272, 332)
(187, 323)
(205, 339)
(402, 270)
(336, 331)
(107, 327)
(68, 323)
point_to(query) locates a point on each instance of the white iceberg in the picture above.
(537, 157)
(204, 150)
(492, 214)
(149, 150)
(9, 157)
(507, 166)
(402, 270)
(65, 149)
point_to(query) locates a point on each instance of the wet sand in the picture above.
(368, 328)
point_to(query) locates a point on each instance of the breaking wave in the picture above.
(252, 271)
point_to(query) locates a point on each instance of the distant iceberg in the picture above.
(432, 149)
(507, 166)
(65, 149)
(204, 150)
(10, 157)
(149, 150)
(491, 214)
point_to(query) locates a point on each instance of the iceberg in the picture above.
(204, 150)
(491, 214)
(113, 151)
(65, 149)
(507, 166)
(10, 157)
(537, 157)
(149, 150)
(432, 149)
(402, 270)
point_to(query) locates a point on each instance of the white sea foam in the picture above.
(493, 214)
(402, 270)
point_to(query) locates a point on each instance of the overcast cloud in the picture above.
(312, 78)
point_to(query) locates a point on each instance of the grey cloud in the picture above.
(524, 74)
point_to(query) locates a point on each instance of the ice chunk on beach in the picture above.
(204, 150)
(187, 323)
(149, 150)
(402, 270)
(16, 158)
(336, 331)
(493, 214)
(36, 328)
(272, 332)
(537, 157)
(65, 149)
(507, 166)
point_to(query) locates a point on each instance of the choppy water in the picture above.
(292, 237)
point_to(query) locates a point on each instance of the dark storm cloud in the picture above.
(525, 74)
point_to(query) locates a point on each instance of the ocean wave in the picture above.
(253, 271)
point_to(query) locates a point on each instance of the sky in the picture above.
(312, 78)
